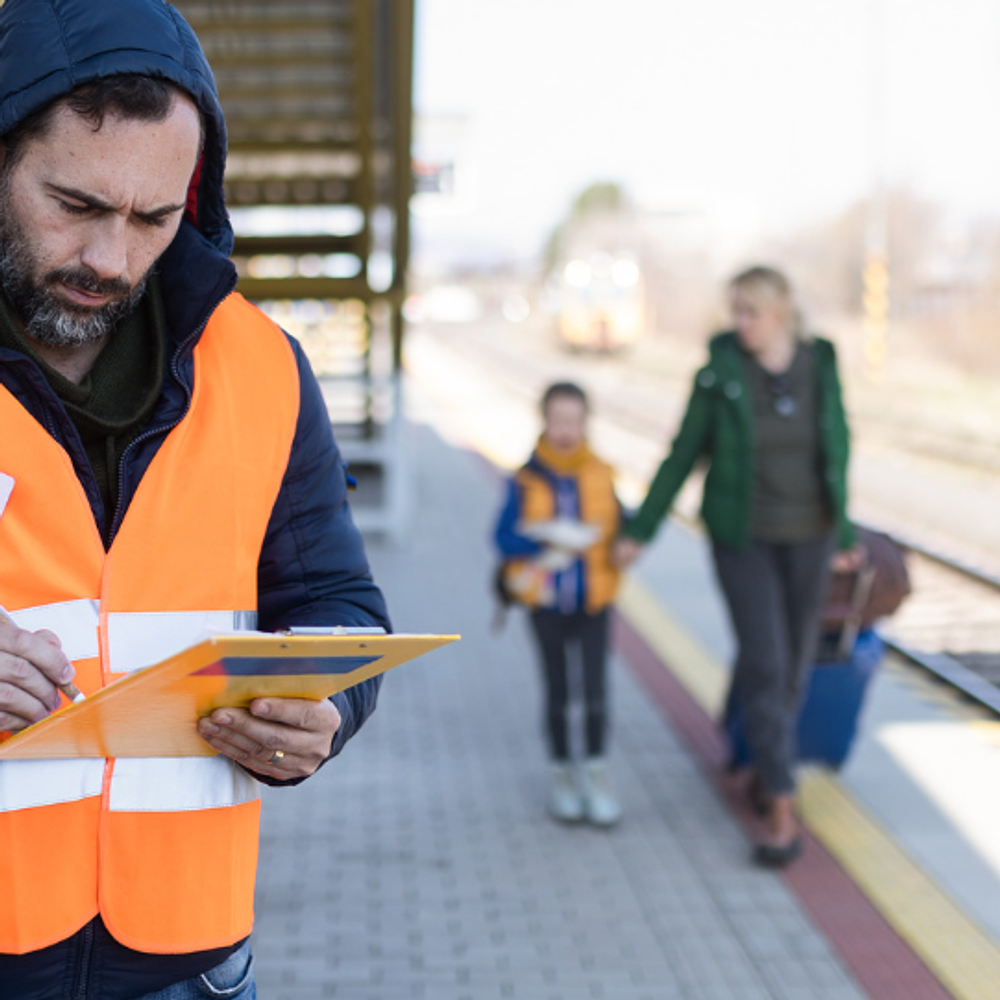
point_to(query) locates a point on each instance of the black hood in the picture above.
(49, 47)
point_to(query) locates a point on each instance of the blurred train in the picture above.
(600, 302)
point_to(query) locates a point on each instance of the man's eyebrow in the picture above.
(93, 201)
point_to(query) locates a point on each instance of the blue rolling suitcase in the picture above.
(847, 658)
(848, 655)
(828, 722)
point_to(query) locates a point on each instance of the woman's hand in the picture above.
(849, 560)
(625, 552)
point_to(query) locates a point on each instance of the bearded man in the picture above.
(166, 466)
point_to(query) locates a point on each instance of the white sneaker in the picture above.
(600, 805)
(565, 800)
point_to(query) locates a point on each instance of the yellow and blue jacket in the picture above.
(577, 486)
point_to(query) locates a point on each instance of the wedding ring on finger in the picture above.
(277, 757)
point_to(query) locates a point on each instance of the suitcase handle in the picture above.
(851, 615)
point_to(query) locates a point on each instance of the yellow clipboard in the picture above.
(153, 712)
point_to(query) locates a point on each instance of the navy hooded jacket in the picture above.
(312, 569)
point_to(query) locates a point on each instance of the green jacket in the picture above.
(719, 428)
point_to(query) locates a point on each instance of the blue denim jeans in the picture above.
(232, 980)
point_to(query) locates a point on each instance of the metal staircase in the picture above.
(317, 96)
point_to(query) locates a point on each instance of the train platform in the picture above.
(422, 863)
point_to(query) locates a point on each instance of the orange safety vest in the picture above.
(165, 849)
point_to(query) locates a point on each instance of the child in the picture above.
(555, 535)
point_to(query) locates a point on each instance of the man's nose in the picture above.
(106, 252)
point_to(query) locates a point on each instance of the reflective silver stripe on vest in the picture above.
(176, 784)
(6, 488)
(74, 622)
(136, 639)
(165, 784)
(27, 784)
(139, 639)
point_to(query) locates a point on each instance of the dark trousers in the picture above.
(577, 639)
(775, 592)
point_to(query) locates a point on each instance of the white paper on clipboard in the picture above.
(6, 488)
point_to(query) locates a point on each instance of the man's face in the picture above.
(85, 215)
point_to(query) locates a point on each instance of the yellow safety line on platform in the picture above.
(963, 957)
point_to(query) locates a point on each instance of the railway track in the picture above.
(950, 625)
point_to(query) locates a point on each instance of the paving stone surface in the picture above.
(421, 863)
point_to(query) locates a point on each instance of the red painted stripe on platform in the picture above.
(881, 961)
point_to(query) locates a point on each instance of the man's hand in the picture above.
(296, 731)
(31, 665)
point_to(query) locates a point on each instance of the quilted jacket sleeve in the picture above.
(688, 446)
(313, 569)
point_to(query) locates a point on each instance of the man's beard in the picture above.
(50, 320)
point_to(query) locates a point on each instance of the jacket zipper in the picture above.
(86, 956)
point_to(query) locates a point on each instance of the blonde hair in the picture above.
(761, 277)
(764, 277)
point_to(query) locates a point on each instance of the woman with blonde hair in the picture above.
(766, 414)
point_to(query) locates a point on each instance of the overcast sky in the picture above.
(757, 112)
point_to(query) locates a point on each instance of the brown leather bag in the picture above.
(858, 599)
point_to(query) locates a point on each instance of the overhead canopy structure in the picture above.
(317, 96)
